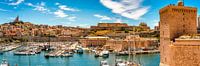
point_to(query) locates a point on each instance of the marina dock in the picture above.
(9, 47)
(59, 53)
(147, 52)
(28, 50)
(137, 52)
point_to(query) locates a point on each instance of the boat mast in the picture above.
(134, 49)
(49, 44)
(140, 56)
(129, 50)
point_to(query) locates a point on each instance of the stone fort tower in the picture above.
(180, 44)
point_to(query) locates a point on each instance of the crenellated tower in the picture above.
(179, 42)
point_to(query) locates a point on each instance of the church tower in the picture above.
(16, 19)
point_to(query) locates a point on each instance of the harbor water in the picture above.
(86, 59)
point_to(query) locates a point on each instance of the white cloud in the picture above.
(72, 18)
(118, 21)
(57, 3)
(3, 9)
(39, 7)
(102, 17)
(60, 13)
(16, 3)
(128, 8)
(30, 4)
(66, 8)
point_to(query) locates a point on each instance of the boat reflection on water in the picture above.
(1, 52)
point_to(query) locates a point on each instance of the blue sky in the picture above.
(85, 13)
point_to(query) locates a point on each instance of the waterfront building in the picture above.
(144, 26)
(198, 28)
(94, 41)
(132, 41)
(117, 30)
(112, 26)
(179, 42)
(119, 26)
(157, 28)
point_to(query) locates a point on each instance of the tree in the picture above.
(126, 31)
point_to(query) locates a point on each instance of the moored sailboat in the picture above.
(129, 62)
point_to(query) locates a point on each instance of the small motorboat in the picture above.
(96, 55)
(67, 54)
(80, 51)
(119, 62)
(104, 54)
(104, 63)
